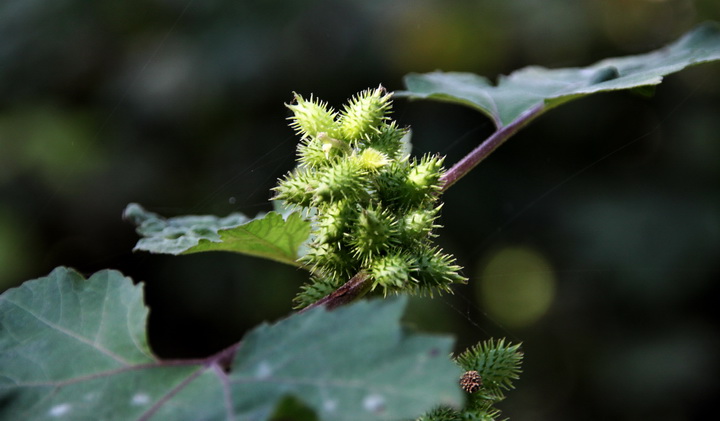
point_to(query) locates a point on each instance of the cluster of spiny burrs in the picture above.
(373, 208)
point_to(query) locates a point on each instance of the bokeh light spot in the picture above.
(517, 286)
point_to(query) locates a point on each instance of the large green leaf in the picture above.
(268, 235)
(76, 349)
(534, 89)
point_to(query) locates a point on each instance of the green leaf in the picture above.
(292, 409)
(76, 349)
(357, 364)
(268, 235)
(532, 87)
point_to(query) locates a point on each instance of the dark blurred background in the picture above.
(593, 236)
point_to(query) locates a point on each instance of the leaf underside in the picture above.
(531, 87)
(269, 235)
(72, 348)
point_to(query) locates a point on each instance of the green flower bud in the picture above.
(312, 117)
(362, 116)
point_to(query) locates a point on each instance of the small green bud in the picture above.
(362, 116)
(312, 117)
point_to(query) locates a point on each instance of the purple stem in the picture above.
(350, 291)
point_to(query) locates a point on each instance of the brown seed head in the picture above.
(471, 381)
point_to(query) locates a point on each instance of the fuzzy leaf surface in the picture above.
(269, 235)
(72, 348)
(534, 86)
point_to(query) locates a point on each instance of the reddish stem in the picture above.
(352, 290)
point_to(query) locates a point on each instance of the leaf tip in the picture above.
(136, 214)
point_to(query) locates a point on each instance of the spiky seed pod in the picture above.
(374, 208)
(314, 291)
(391, 272)
(335, 221)
(311, 117)
(374, 232)
(321, 151)
(497, 362)
(436, 271)
(416, 226)
(330, 261)
(427, 171)
(362, 116)
(345, 180)
(410, 184)
(470, 381)
(297, 188)
(488, 357)
(388, 140)
(390, 184)
(442, 413)
(311, 154)
(423, 180)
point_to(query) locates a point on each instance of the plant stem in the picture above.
(350, 291)
(470, 161)
(225, 357)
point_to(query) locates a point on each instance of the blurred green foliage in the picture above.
(178, 104)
